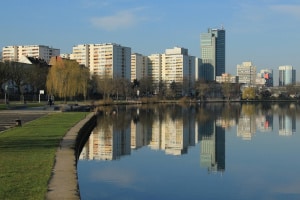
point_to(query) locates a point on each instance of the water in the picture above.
(211, 151)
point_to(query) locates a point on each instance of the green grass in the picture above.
(27, 155)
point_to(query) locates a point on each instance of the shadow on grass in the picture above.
(33, 144)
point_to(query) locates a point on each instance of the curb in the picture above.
(63, 182)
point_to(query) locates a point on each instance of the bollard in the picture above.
(18, 122)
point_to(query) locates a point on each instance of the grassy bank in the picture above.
(27, 155)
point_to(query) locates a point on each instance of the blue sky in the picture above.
(266, 32)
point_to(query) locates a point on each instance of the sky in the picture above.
(265, 32)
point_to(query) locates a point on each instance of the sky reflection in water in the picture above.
(212, 151)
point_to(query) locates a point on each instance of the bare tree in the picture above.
(146, 86)
(201, 88)
(227, 89)
(18, 74)
(105, 86)
(4, 72)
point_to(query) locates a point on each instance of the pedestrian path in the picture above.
(12, 118)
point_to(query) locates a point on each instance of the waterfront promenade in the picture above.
(63, 184)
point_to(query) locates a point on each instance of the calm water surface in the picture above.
(212, 151)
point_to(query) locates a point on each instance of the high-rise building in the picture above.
(246, 73)
(178, 67)
(287, 75)
(139, 66)
(212, 53)
(227, 78)
(106, 60)
(174, 66)
(154, 68)
(265, 77)
(17, 53)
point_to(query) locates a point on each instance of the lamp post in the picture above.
(41, 92)
(5, 91)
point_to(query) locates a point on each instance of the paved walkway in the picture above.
(8, 117)
(63, 184)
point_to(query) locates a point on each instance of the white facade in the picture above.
(105, 60)
(154, 68)
(175, 65)
(15, 53)
(180, 68)
(246, 73)
(81, 54)
(227, 78)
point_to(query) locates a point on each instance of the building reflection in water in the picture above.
(173, 129)
(287, 125)
(212, 142)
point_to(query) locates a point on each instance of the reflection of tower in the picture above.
(264, 123)
(137, 136)
(176, 142)
(107, 144)
(287, 125)
(174, 134)
(212, 141)
(246, 127)
(156, 139)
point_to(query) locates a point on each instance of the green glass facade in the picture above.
(212, 54)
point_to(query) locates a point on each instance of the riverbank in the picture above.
(28, 152)
(63, 183)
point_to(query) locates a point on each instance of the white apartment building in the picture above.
(179, 67)
(175, 65)
(80, 53)
(17, 53)
(139, 66)
(227, 78)
(246, 73)
(154, 68)
(105, 60)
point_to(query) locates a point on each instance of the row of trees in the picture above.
(23, 77)
(67, 79)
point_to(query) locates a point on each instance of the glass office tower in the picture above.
(212, 53)
(287, 75)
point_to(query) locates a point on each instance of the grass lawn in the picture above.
(27, 155)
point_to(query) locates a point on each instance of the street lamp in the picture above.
(5, 91)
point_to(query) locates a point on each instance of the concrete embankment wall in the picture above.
(64, 182)
(84, 134)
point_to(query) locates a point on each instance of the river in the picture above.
(207, 151)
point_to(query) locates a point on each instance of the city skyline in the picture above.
(262, 32)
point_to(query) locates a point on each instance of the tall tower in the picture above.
(212, 53)
(287, 75)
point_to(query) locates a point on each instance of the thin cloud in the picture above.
(93, 3)
(120, 177)
(293, 10)
(120, 20)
